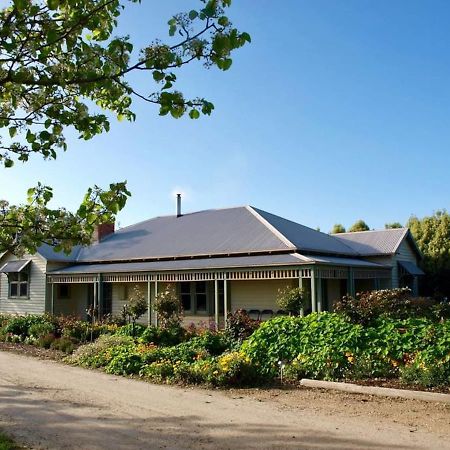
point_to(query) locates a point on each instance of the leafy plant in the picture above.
(136, 306)
(45, 341)
(63, 344)
(240, 326)
(40, 329)
(100, 353)
(367, 306)
(319, 341)
(168, 306)
(291, 299)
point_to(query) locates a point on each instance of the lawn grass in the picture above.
(7, 443)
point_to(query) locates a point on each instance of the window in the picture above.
(64, 291)
(18, 284)
(185, 293)
(200, 295)
(194, 296)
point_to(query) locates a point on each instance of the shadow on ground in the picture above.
(57, 424)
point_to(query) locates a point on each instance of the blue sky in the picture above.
(337, 111)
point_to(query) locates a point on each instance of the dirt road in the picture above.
(48, 405)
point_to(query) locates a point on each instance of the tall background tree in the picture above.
(389, 226)
(61, 68)
(359, 225)
(337, 228)
(432, 234)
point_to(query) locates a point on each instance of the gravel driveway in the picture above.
(45, 404)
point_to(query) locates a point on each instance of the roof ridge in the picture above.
(370, 231)
(270, 227)
(404, 234)
(183, 214)
(350, 249)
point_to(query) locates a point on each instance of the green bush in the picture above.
(20, 325)
(41, 329)
(291, 299)
(427, 376)
(319, 343)
(365, 307)
(63, 344)
(101, 352)
(240, 326)
(124, 361)
(164, 337)
(45, 341)
(133, 330)
(168, 306)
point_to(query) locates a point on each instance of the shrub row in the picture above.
(327, 346)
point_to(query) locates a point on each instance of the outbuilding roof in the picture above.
(371, 243)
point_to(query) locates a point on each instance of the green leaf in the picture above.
(246, 37)
(224, 64)
(194, 114)
(12, 131)
(223, 21)
(53, 4)
(158, 75)
(20, 5)
(193, 14)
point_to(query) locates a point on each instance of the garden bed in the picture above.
(405, 351)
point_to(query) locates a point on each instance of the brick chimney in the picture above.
(102, 231)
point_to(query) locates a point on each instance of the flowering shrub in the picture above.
(168, 306)
(367, 306)
(240, 326)
(163, 336)
(291, 299)
(101, 352)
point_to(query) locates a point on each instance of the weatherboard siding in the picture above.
(76, 303)
(35, 302)
(257, 294)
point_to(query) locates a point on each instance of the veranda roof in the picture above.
(293, 259)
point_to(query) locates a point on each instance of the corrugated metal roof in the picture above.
(15, 266)
(49, 253)
(411, 268)
(380, 242)
(304, 238)
(230, 231)
(211, 232)
(291, 260)
(348, 262)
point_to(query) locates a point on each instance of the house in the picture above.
(219, 260)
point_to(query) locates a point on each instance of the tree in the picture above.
(58, 58)
(359, 225)
(432, 234)
(392, 225)
(337, 228)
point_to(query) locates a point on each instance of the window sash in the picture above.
(18, 285)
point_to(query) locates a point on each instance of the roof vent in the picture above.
(178, 205)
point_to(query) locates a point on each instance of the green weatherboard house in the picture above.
(219, 260)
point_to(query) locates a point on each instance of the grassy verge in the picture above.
(7, 443)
